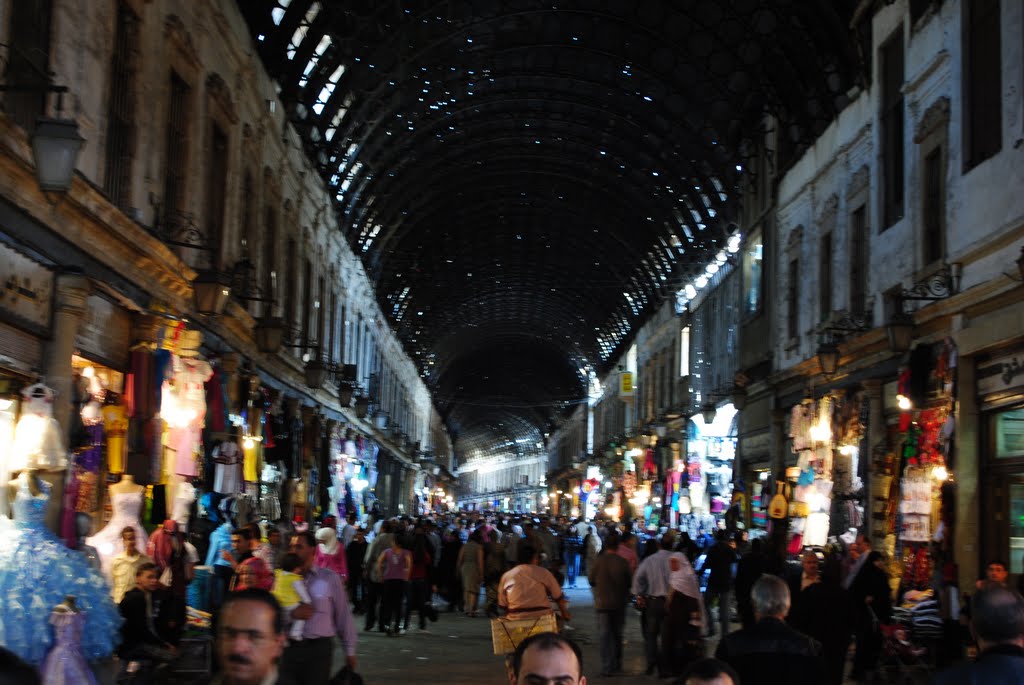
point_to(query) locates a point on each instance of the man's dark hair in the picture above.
(127, 529)
(998, 614)
(142, 568)
(290, 562)
(307, 535)
(668, 540)
(545, 642)
(709, 669)
(1000, 562)
(15, 671)
(260, 596)
(611, 541)
(244, 533)
(525, 552)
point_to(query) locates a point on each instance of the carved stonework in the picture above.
(181, 40)
(933, 119)
(217, 90)
(827, 217)
(859, 181)
(796, 239)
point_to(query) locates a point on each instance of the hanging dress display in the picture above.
(37, 437)
(227, 474)
(115, 425)
(65, 664)
(127, 508)
(37, 571)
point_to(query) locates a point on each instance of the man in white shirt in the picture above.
(651, 587)
(125, 564)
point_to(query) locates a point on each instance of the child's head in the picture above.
(290, 562)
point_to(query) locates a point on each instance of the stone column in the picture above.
(876, 437)
(71, 292)
(967, 530)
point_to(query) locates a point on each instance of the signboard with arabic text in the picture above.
(26, 290)
(1000, 374)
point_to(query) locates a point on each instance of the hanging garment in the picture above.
(37, 437)
(37, 571)
(227, 478)
(115, 425)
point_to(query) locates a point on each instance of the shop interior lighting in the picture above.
(848, 450)
(940, 473)
(5, 404)
(904, 403)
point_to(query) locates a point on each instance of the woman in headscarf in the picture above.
(330, 553)
(681, 630)
(253, 573)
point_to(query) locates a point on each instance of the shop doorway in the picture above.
(1004, 518)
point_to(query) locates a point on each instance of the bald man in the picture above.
(998, 626)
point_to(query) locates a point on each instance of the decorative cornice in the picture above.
(795, 239)
(218, 91)
(181, 39)
(859, 181)
(829, 209)
(934, 118)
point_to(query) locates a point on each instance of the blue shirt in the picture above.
(220, 539)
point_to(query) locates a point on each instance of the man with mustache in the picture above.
(250, 639)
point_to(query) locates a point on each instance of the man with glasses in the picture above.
(250, 639)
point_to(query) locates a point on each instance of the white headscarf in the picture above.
(328, 539)
(684, 581)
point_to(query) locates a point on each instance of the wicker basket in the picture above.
(507, 633)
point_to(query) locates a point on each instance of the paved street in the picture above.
(458, 650)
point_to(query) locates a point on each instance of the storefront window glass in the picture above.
(1009, 432)
(1017, 528)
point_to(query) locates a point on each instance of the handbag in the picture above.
(346, 676)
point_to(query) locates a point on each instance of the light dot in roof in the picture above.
(604, 152)
(701, 281)
(648, 98)
(739, 168)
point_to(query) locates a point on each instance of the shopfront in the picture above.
(1000, 381)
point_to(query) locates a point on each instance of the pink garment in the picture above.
(336, 562)
(184, 441)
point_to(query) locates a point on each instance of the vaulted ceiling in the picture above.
(526, 180)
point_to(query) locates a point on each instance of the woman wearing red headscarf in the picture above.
(253, 573)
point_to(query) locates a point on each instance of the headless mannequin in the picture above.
(126, 485)
(27, 477)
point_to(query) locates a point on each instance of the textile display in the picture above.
(37, 571)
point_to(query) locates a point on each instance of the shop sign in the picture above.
(27, 289)
(1001, 374)
(104, 332)
(626, 387)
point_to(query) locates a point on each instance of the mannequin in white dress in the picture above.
(126, 498)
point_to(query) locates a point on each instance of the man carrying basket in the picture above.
(525, 594)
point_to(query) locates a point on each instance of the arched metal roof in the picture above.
(526, 180)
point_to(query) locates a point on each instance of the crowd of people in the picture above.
(797, 619)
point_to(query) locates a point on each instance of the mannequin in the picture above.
(126, 485)
(228, 456)
(66, 664)
(37, 570)
(126, 500)
(37, 437)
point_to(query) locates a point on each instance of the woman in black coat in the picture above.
(872, 604)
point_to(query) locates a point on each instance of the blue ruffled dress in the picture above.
(37, 571)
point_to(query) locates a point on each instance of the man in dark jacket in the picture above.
(772, 653)
(720, 559)
(998, 626)
(144, 634)
(609, 582)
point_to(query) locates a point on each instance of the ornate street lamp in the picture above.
(900, 330)
(210, 290)
(362, 406)
(316, 373)
(55, 147)
(828, 357)
(345, 393)
(269, 334)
